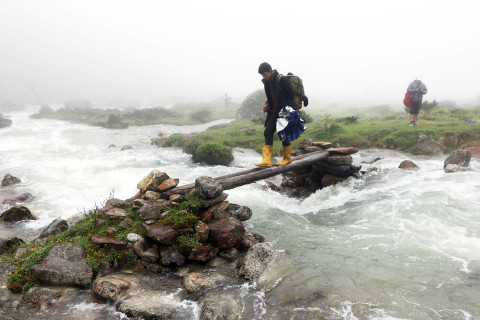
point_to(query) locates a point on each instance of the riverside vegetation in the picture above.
(387, 131)
(179, 114)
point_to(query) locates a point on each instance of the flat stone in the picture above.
(168, 184)
(161, 234)
(342, 151)
(116, 213)
(109, 241)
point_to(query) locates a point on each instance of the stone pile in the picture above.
(336, 168)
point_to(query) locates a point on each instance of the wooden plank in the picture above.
(237, 179)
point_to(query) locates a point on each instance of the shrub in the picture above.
(191, 146)
(175, 140)
(306, 117)
(201, 116)
(213, 154)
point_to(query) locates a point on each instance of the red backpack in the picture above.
(407, 101)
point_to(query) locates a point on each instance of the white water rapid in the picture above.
(393, 245)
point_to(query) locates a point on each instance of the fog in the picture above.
(347, 52)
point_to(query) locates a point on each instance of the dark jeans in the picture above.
(271, 127)
(415, 109)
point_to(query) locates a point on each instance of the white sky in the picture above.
(350, 51)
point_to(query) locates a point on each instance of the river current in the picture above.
(394, 244)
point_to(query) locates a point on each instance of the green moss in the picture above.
(187, 242)
(80, 233)
(184, 215)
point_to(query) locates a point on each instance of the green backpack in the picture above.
(297, 86)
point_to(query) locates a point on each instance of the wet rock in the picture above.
(250, 239)
(341, 170)
(312, 149)
(24, 197)
(408, 165)
(9, 180)
(145, 251)
(109, 241)
(207, 187)
(226, 233)
(168, 184)
(459, 157)
(219, 306)
(330, 180)
(6, 245)
(230, 254)
(322, 144)
(342, 151)
(203, 253)
(155, 304)
(206, 203)
(55, 227)
(161, 234)
(450, 168)
(111, 287)
(126, 147)
(219, 214)
(152, 181)
(340, 160)
(425, 145)
(202, 230)
(196, 281)
(172, 256)
(64, 265)
(241, 213)
(255, 261)
(17, 214)
(305, 143)
(41, 298)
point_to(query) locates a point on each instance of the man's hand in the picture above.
(265, 107)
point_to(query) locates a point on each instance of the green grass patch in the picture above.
(80, 233)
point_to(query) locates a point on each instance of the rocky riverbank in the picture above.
(190, 257)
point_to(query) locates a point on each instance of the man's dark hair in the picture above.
(264, 67)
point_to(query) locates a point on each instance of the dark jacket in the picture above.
(278, 97)
(417, 95)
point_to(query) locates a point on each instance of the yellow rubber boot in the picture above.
(287, 156)
(266, 156)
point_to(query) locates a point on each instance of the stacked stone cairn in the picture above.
(228, 255)
(336, 168)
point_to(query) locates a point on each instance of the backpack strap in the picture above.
(279, 76)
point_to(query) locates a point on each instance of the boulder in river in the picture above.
(9, 180)
(459, 157)
(17, 214)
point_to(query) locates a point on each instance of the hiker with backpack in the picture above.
(418, 89)
(280, 95)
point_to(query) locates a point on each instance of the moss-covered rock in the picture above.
(213, 154)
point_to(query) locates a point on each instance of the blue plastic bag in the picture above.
(290, 125)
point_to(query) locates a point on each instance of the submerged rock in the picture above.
(155, 304)
(24, 197)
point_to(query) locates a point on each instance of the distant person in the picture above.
(418, 89)
(228, 100)
(279, 95)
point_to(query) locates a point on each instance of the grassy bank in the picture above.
(390, 131)
(180, 114)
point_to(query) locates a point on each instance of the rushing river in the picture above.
(393, 245)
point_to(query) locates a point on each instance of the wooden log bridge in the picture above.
(248, 176)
